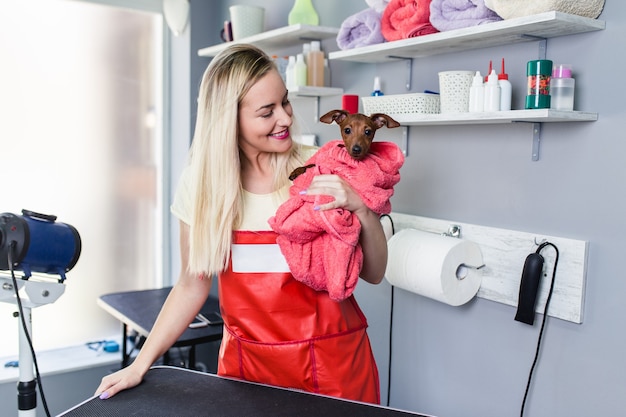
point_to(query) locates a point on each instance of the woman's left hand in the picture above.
(344, 196)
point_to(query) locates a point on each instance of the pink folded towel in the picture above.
(403, 18)
(456, 14)
(322, 247)
(360, 29)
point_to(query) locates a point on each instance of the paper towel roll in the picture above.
(443, 268)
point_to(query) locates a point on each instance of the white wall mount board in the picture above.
(504, 252)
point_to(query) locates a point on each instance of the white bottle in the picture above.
(291, 74)
(562, 88)
(477, 94)
(327, 79)
(506, 89)
(306, 48)
(301, 71)
(315, 65)
(492, 93)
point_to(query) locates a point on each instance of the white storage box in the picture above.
(414, 103)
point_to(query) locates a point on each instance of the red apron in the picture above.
(281, 332)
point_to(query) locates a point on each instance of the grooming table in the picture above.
(169, 391)
(139, 310)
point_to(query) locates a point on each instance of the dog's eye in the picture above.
(368, 132)
(347, 130)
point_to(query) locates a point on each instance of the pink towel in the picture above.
(403, 19)
(322, 247)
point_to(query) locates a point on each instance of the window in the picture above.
(81, 137)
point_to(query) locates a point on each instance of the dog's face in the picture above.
(357, 130)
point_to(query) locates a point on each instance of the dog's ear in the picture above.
(381, 119)
(334, 116)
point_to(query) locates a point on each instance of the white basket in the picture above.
(414, 103)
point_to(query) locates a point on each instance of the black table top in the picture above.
(169, 391)
(139, 310)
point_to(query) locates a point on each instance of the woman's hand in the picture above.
(372, 239)
(123, 379)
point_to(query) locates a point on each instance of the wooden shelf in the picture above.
(504, 32)
(277, 38)
(501, 117)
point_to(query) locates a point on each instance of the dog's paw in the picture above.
(299, 171)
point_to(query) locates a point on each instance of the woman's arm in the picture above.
(182, 304)
(373, 241)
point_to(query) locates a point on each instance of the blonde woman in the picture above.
(277, 330)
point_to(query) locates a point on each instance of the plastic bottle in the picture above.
(492, 92)
(315, 65)
(506, 89)
(303, 13)
(291, 73)
(376, 91)
(327, 78)
(538, 73)
(562, 88)
(306, 48)
(477, 94)
(301, 71)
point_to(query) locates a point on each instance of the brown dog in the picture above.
(357, 130)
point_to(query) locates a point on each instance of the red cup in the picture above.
(350, 103)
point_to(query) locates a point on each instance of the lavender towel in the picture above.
(457, 14)
(360, 29)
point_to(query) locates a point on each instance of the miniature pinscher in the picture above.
(357, 132)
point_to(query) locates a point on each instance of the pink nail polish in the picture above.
(104, 395)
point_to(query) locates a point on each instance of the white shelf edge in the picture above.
(276, 38)
(307, 91)
(513, 116)
(504, 32)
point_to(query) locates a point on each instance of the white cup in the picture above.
(454, 88)
(246, 20)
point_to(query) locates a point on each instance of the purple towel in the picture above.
(457, 14)
(360, 29)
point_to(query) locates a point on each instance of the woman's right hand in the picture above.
(125, 378)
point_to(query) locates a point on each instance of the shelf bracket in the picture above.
(409, 69)
(536, 141)
(543, 45)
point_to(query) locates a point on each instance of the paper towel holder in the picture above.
(454, 230)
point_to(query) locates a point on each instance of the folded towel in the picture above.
(402, 17)
(510, 9)
(360, 29)
(423, 29)
(378, 5)
(456, 14)
(322, 247)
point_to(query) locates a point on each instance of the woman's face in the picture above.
(265, 115)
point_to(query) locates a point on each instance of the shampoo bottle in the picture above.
(492, 92)
(506, 89)
(291, 73)
(377, 91)
(477, 94)
(301, 71)
(315, 65)
(304, 13)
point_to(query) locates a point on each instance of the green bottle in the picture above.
(304, 13)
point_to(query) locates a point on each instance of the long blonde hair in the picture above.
(214, 158)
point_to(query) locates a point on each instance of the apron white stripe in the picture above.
(258, 258)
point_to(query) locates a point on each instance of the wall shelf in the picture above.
(505, 32)
(513, 116)
(277, 38)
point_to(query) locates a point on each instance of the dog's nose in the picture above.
(356, 150)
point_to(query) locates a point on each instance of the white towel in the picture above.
(510, 9)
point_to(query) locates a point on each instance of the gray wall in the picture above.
(474, 360)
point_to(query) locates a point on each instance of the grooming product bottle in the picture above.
(291, 74)
(506, 89)
(301, 71)
(304, 13)
(477, 94)
(315, 65)
(376, 90)
(327, 78)
(562, 88)
(538, 73)
(492, 92)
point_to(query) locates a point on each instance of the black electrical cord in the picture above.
(25, 327)
(543, 322)
(393, 232)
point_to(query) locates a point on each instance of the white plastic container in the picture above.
(477, 94)
(492, 93)
(506, 89)
(315, 65)
(301, 71)
(562, 88)
(290, 73)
